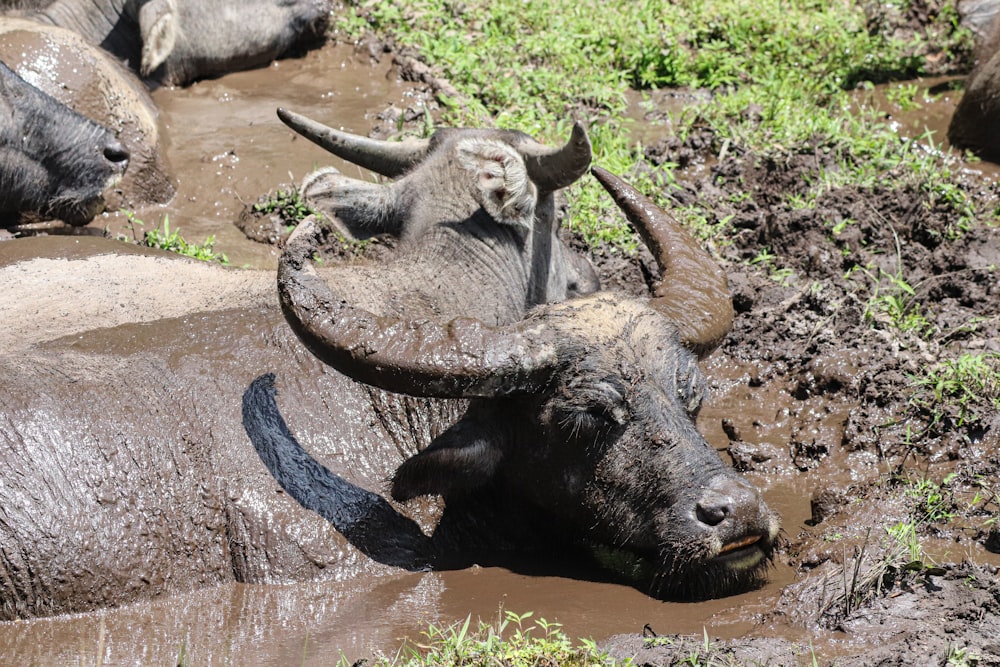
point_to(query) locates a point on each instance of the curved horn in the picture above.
(702, 312)
(552, 169)
(463, 358)
(388, 158)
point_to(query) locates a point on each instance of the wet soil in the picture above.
(815, 394)
(812, 397)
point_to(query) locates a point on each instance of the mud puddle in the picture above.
(226, 146)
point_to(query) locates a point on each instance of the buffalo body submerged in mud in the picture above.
(177, 41)
(579, 411)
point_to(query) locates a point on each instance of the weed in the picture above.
(958, 391)
(172, 241)
(903, 95)
(936, 502)
(893, 300)
(288, 205)
(765, 259)
(961, 657)
(513, 639)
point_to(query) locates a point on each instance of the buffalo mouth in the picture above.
(78, 213)
(740, 565)
(742, 553)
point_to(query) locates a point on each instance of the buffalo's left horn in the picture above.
(703, 315)
(388, 158)
(551, 168)
(463, 358)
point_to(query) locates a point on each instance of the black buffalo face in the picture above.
(54, 161)
(607, 453)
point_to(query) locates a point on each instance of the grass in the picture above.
(781, 75)
(512, 640)
(288, 205)
(959, 390)
(165, 239)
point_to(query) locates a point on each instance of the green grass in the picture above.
(172, 241)
(780, 73)
(959, 390)
(513, 640)
(288, 205)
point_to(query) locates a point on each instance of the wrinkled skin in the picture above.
(53, 161)
(174, 42)
(87, 80)
(151, 484)
(579, 434)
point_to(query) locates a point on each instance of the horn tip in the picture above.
(287, 117)
(612, 183)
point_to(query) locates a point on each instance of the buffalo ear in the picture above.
(461, 459)
(502, 185)
(158, 21)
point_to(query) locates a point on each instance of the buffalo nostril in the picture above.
(713, 509)
(116, 153)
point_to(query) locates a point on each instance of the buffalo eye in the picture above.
(690, 385)
(593, 407)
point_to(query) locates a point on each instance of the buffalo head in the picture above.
(54, 161)
(580, 419)
(457, 179)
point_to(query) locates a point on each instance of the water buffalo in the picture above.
(55, 162)
(84, 78)
(973, 125)
(578, 432)
(127, 467)
(353, 207)
(174, 42)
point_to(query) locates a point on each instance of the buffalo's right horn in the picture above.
(388, 158)
(553, 169)
(704, 314)
(463, 358)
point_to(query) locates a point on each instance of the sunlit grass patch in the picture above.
(512, 639)
(779, 73)
(163, 238)
(959, 390)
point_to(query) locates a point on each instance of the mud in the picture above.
(810, 398)
(815, 393)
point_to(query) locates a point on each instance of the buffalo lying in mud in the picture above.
(54, 161)
(174, 42)
(577, 438)
(128, 472)
(84, 78)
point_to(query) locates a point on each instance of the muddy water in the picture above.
(314, 623)
(226, 147)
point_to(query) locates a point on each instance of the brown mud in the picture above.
(811, 397)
